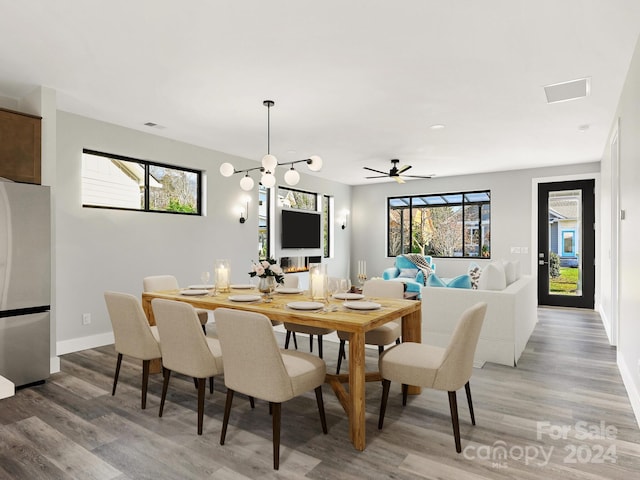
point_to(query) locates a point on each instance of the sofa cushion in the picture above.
(510, 272)
(493, 277)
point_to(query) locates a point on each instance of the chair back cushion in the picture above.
(130, 327)
(158, 283)
(383, 289)
(184, 346)
(457, 361)
(253, 363)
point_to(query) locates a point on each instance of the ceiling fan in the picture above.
(395, 172)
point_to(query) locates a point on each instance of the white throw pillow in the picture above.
(510, 272)
(493, 277)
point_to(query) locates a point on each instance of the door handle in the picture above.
(542, 262)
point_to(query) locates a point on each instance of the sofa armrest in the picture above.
(389, 273)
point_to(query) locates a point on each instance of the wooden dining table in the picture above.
(334, 316)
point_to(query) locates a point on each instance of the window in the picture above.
(264, 218)
(441, 225)
(114, 181)
(290, 198)
(568, 243)
(327, 213)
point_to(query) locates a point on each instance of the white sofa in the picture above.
(510, 319)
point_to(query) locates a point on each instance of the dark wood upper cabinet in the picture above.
(20, 146)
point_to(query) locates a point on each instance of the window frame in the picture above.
(463, 204)
(147, 164)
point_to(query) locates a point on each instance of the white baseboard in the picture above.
(84, 343)
(606, 323)
(632, 388)
(54, 364)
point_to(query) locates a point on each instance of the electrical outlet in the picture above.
(86, 318)
(524, 249)
(515, 249)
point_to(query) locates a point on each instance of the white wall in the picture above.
(512, 224)
(628, 116)
(98, 250)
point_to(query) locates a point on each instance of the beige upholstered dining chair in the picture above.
(185, 349)
(157, 283)
(133, 335)
(291, 281)
(439, 368)
(385, 334)
(255, 366)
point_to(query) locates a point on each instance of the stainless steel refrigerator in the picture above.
(25, 282)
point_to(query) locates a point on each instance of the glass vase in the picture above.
(266, 286)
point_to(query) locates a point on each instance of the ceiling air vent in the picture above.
(561, 92)
(154, 125)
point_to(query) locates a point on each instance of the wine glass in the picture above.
(345, 285)
(205, 276)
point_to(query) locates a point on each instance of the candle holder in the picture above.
(223, 274)
(317, 281)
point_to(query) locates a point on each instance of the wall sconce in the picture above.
(345, 217)
(244, 210)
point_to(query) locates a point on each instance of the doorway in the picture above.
(566, 244)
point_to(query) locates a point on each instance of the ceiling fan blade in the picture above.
(378, 176)
(377, 171)
(404, 169)
(398, 179)
(419, 176)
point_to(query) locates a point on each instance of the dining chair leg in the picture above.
(405, 392)
(320, 346)
(383, 402)
(276, 435)
(398, 341)
(202, 383)
(295, 340)
(117, 374)
(467, 388)
(210, 384)
(195, 382)
(286, 340)
(145, 381)
(311, 343)
(204, 329)
(320, 402)
(380, 349)
(165, 384)
(227, 412)
(453, 405)
(252, 402)
(341, 354)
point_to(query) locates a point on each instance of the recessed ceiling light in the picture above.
(437, 126)
(584, 128)
(571, 90)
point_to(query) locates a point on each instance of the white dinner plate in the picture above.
(362, 305)
(305, 305)
(348, 296)
(194, 292)
(243, 286)
(201, 287)
(244, 298)
(288, 290)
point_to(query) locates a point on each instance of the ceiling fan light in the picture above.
(268, 180)
(292, 177)
(226, 169)
(314, 163)
(269, 162)
(246, 183)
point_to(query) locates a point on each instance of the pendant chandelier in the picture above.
(269, 164)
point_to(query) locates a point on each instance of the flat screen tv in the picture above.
(301, 229)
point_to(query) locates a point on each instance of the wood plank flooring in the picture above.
(562, 413)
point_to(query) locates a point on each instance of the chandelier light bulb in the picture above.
(268, 180)
(292, 177)
(226, 169)
(269, 162)
(316, 163)
(246, 183)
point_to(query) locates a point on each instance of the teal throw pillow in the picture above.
(434, 281)
(462, 281)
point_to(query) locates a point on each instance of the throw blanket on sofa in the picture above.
(419, 261)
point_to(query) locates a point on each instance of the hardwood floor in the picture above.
(531, 423)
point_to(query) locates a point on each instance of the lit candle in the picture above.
(222, 275)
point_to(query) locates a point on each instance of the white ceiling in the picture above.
(357, 82)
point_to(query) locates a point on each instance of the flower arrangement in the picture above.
(267, 268)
